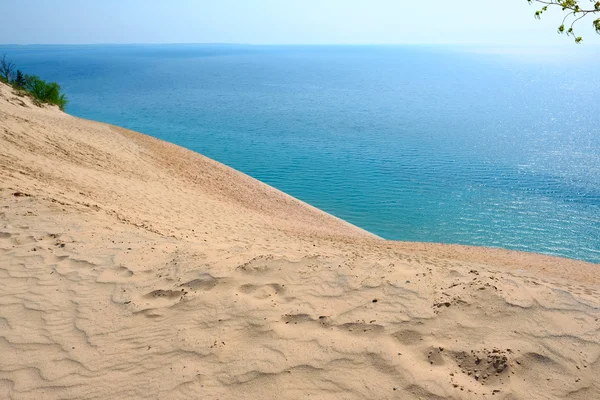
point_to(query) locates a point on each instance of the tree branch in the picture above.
(574, 10)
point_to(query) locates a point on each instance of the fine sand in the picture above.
(133, 268)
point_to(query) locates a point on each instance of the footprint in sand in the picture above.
(262, 292)
(205, 282)
(408, 337)
(118, 274)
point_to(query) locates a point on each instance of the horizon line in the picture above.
(293, 44)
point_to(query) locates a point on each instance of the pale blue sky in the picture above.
(280, 22)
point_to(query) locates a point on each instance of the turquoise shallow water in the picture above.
(457, 145)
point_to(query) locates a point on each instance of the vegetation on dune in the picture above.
(46, 92)
(7, 69)
(42, 91)
(574, 11)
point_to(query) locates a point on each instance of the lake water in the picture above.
(496, 147)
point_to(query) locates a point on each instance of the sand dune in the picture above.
(133, 268)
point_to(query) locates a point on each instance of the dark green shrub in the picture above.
(45, 92)
(20, 81)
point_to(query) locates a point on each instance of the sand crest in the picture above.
(133, 268)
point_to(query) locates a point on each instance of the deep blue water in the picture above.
(457, 145)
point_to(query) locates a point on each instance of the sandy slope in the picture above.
(132, 268)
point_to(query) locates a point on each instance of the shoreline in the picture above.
(462, 246)
(459, 249)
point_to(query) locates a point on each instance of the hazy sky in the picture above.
(279, 22)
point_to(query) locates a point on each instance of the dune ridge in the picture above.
(133, 268)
